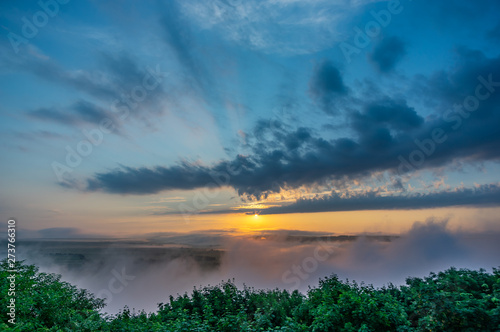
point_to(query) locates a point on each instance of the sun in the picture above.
(256, 214)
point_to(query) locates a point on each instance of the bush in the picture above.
(45, 303)
(453, 300)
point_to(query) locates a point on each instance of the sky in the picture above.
(122, 118)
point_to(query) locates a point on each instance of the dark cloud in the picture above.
(295, 139)
(146, 181)
(81, 80)
(386, 131)
(375, 122)
(110, 83)
(396, 114)
(326, 85)
(387, 53)
(276, 134)
(81, 112)
(485, 195)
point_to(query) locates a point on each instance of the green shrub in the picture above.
(453, 300)
(45, 303)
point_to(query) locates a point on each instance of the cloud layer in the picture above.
(485, 195)
(389, 135)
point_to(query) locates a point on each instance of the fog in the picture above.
(143, 273)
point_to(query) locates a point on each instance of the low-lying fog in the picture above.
(141, 273)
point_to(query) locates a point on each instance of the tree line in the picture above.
(452, 300)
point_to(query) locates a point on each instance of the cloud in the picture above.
(108, 86)
(375, 123)
(146, 181)
(327, 80)
(484, 195)
(326, 85)
(282, 27)
(80, 113)
(387, 54)
(50, 71)
(385, 131)
(395, 114)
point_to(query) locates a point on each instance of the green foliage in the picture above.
(454, 300)
(45, 303)
(226, 308)
(341, 306)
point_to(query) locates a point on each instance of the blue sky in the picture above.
(195, 89)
